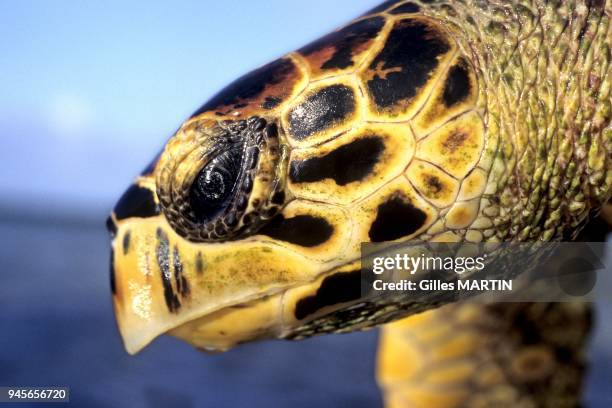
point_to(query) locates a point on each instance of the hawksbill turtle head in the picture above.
(393, 128)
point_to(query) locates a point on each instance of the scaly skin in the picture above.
(519, 355)
(544, 70)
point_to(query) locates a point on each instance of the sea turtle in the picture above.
(471, 120)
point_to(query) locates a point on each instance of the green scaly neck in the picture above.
(544, 73)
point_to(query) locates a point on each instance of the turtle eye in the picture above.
(223, 180)
(213, 188)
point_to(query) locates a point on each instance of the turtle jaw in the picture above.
(214, 295)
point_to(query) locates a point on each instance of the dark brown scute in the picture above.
(321, 110)
(396, 218)
(251, 88)
(278, 197)
(457, 86)
(271, 102)
(406, 62)
(303, 230)
(336, 288)
(350, 162)
(344, 43)
(136, 202)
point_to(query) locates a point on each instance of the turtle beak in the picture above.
(213, 295)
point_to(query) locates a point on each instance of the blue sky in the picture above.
(90, 90)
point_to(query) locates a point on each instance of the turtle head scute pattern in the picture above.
(322, 109)
(342, 50)
(256, 92)
(303, 230)
(137, 201)
(396, 218)
(408, 60)
(273, 184)
(346, 164)
(458, 85)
